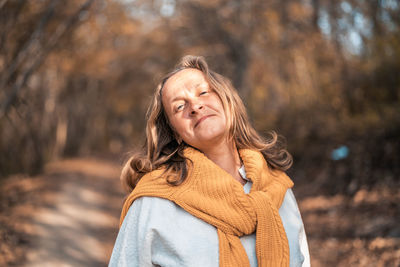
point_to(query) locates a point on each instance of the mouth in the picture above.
(201, 119)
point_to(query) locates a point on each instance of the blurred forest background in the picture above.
(76, 78)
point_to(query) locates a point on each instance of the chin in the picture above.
(211, 136)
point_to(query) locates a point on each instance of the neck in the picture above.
(226, 156)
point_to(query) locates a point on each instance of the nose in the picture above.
(195, 108)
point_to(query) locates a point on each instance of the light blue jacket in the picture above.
(157, 232)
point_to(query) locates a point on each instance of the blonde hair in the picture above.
(162, 150)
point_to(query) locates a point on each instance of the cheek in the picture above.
(223, 115)
(180, 126)
(220, 108)
(216, 102)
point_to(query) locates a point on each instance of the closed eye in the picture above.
(180, 107)
(204, 92)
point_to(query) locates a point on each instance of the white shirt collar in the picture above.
(242, 173)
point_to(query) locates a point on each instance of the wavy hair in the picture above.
(162, 150)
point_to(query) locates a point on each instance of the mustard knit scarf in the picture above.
(211, 194)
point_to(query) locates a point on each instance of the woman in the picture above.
(208, 190)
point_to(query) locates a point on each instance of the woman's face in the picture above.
(194, 110)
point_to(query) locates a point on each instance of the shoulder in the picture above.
(152, 184)
(290, 215)
(150, 207)
(163, 215)
(167, 234)
(289, 207)
(281, 177)
(146, 230)
(157, 212)
(152, 177)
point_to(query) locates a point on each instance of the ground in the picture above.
(66, 217)
(69, 215)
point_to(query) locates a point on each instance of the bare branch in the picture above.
(30, 46)
(60, 31)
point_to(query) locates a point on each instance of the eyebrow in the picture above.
(179, 97)
(176, 98)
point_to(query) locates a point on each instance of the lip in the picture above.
(201, 119)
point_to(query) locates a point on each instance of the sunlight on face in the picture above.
(194, 110)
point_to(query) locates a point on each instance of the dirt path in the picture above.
(72, 218)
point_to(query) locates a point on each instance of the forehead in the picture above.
(184, 79)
